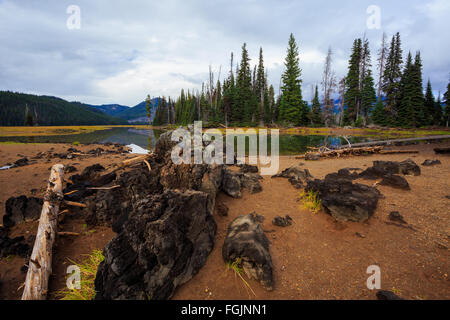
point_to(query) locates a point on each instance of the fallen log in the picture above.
(398, 151)
(40, 266)
(342, 152)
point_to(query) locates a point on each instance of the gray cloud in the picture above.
(124, 50)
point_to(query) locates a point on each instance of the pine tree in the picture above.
(378, 114)
(438, 116)
(368, 95)
(352, 93)
(291, 104)
(430, 105)
(391, 79)
(273, 109)
(405, 111)
(316, 114)
(417, 98)
(261, 90)
(243, 110)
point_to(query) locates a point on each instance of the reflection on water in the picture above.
(289, 143)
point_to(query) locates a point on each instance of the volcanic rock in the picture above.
(163, 244)
(20, 209)
(246, 242)
(345, 200)
(295, 175)
(395, 181)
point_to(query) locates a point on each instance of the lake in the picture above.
(289, 143)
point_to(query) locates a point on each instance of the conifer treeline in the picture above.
(245, 98)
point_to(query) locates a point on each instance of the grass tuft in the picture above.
(236, 267)
(311, 201)
(88, 271)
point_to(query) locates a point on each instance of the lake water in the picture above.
(289, 143)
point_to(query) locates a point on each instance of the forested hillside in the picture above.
(17, 109)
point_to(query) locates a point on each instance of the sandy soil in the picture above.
(315, 258)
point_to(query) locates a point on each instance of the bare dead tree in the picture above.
(341, 94)
(382, 56)
(328, 87)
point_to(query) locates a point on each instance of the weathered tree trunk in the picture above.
(40, 265)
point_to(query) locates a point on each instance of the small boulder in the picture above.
(428, 162)
(345, 200)
(397, 217)
(395, 181)
(246, 241)
(282, 222)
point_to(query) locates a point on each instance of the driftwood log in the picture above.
(352, 152)
(40, 265)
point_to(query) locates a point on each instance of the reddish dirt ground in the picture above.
(315, 258)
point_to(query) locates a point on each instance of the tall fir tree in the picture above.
(291, 104)
(378, 114)
(316, 114)
(392, 78)
(352, 92)
(417, 98)
(405, 110)
(242, 111)
(368, 95)
(429, 104)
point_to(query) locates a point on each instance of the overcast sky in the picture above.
(125, 50)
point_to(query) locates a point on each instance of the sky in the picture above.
(125, 50)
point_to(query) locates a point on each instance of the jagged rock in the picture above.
(395, 181)
(233, 182)
(20, 209)
(397, 217)
(164, 242)
(21, 162)
(345, 200)
(282, 222)
(431, 162)
(14, 246)
(246, 241)
(295, 175)
(383, 168)
(387, 295)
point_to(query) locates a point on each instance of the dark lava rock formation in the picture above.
(164, 223)
(20, 209)
(296, 176)
(383, 168)
(164, 242)
(345, 200)
(247, 243)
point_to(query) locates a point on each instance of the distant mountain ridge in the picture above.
(110, 109)
(18, 108)
(138, 113)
